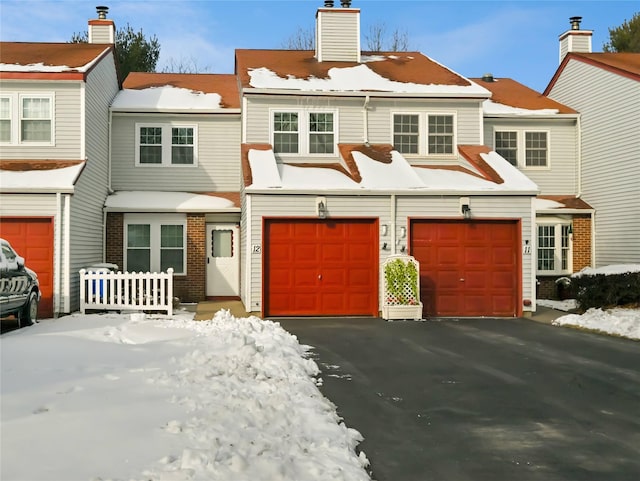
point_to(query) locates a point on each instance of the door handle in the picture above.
(462, 279)
(319, 277)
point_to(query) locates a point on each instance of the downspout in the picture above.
(109, 189)
(393, 224)
(249, 254)
(67, 252)
(57, 256)
(365, 113)
(579, 194)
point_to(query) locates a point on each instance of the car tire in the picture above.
(29, 313)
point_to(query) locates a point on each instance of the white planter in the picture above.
(402, 312)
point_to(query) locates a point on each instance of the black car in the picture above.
(19, 288)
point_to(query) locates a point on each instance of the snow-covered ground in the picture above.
(618, 321)
(110, 397)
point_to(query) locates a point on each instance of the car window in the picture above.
(8, 253)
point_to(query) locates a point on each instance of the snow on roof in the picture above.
(397, 175)
(608, 270)
(166, 98)
(41, 180)
(353, 79)
(489, 107)
(544, 204)
(156, 201)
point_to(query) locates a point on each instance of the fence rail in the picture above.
(144, 291)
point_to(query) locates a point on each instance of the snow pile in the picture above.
(490, 107)
(618, 321)
(62, 179)
(163, 201)
(122, 398)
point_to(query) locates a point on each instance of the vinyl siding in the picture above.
(351, 123)
(560, 178)
(610, 109)
(91, 189)
(338, 36)
(304, 206)
(66, 120)
(218, 151)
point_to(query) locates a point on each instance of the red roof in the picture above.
(410, 67)
(72, 55)
(224, 85)
(507, 91)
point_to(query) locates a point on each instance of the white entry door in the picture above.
(223, 259)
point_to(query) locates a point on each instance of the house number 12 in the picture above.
(256, 248)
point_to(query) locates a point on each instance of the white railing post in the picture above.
(169, 291)
(82, 290)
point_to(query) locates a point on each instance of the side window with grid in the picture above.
(506, 144)
(535, 149)
(321, 136)
(285, 132)
(546, 247)
(151, 145)
(182, 145)
(440, 134)
(406, 133)
(36, 119)
(5, 119)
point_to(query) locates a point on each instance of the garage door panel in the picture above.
(32, 238)
(335, 259)
(482, 252)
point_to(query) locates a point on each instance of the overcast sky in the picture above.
(517, 39)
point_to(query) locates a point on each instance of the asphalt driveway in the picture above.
(482, 399)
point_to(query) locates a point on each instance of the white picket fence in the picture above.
(143, 291)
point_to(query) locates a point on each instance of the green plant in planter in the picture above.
(401, 280)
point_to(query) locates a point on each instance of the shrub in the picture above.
(606, 290)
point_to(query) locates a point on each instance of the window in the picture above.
(303, 132)
(526, 149)
(165, 144)
(554, 248)
(440, 134)
(155, 242)
(150, 145)
(221, 243)
(406, 133)
(35, 119)
(320, 133)
(5, 119)
(535, 149)
(507, 146)
(285, 132)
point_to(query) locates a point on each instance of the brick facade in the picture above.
(192, 287)
(189, 288)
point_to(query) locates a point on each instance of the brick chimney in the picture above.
(575, 39)
(102, 29)
(338, 33)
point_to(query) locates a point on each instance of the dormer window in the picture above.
(304, 132)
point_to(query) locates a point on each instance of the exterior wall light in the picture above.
(321, 207)
(466, 211)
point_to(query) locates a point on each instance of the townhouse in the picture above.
(54, 143)
(289, 182)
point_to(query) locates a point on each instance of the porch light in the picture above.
(321, 207)
(466, 211)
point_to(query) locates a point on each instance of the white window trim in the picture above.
(521, 146)
(166, 144)
(155, 221)
(423, 133)
(15, 117)
(303, 130)
(518, 142)
(36, 95)
(454, 148)
(557, 223)
(11, 120)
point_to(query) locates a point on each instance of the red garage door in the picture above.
(321, 267)
(467, 268)
(32, 238)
